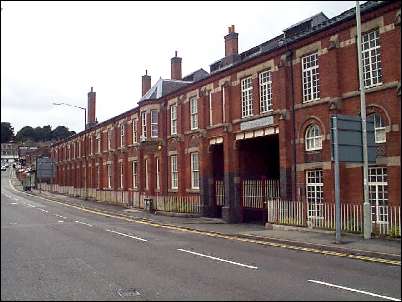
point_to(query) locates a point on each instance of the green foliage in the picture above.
(42, 134)
(7, 132)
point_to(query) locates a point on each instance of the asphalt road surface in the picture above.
(54, 252)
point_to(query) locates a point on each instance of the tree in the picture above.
(26, 133)
(7, 132)
(60, 132)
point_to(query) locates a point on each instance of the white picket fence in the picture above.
(170, 203)
(296, 213)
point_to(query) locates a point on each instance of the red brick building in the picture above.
(259, 119)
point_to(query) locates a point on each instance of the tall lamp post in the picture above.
(85, 125)
(85, 111)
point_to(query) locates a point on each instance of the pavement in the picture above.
(352, 245)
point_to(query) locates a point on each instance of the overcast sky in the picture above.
(55, 51)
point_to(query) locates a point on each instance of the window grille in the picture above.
(265, 91)
(173, 119)
(313, 138)
(371, 57)
(311, 82)
(194, 113)
(173, 161)
(378, 194)
(314, 193)
(195, 171)
(154, 123)
(246, 97)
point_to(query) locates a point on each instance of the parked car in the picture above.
(3, 168)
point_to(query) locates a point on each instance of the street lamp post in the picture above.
(85, 125)
(85, 111)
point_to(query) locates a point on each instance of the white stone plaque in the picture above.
(261, 122)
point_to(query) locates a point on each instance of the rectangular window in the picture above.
(194, 113)
(265, 91)
(378, 194)
(154, 123)
(146, 174)
(122, 135)
(173, 165)
(311, 83)
(143, 125)
(97, 177)
(121, 175)
(314, 193)
(98, 143)
(73, 150)
(135, 131)
(79, 149)
(109, 176)
(195, 171)
(109, 139)
(371, 59)
(210, 107)
(246, 97)
(157, 174)
(173, 119)
(135, 174)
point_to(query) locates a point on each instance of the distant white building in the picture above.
(9, 152)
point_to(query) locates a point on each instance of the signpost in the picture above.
(347, 146)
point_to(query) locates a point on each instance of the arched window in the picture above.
(379, 128)
(313, 138)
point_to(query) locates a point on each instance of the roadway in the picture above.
(53, 252)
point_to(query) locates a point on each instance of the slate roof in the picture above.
(163, 87)
(281, 40)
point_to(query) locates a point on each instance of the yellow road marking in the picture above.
(217, 235)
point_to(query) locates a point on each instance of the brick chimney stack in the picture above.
(231, 42)
(146, 83)
(91, 108)
(176, 67)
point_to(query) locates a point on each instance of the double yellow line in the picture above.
(230, 237)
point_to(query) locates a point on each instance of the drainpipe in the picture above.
(290, 53)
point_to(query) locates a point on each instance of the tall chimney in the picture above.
(231, 42)
(146, 83)
(175, 71)
(91, 108)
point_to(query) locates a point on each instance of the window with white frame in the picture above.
(157, 174)
(98, 176)
(143, 124)
(146, 174)
(135, 174)
(210, 107)
(378, 194)
(173, 119)
(195, 171)
(69, 152)
(91, 145)
(174, 172)
(314, 193)
(122, 135)
(98, 143)
(265, 91)
(135, 130)
(379, 129)
(109, 176)
(371, 57)
(194, 112)
(154, 123)
(109, 139)
(73, 150)
(246, 97)
(311, 82)
(313, 138)
(121, 175)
